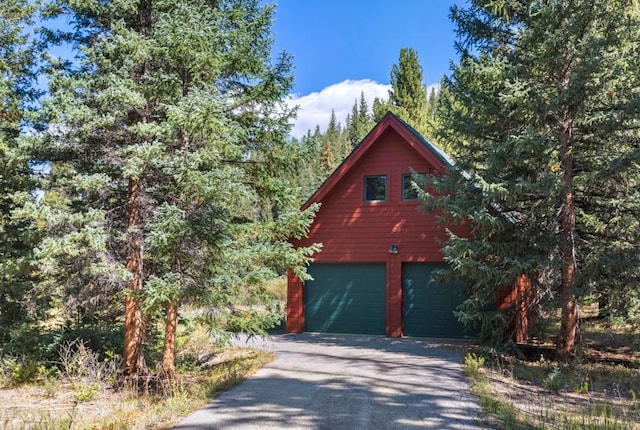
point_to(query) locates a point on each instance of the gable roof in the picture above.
(430, 152)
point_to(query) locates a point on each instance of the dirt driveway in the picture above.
(321, 381)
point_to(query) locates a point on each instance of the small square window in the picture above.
(375, 188)
(408, 191)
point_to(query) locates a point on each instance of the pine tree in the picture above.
(543, 112)
(359, 123)
(408, 95)
(380, 108)
(432, 104)
(352, 125)
(175, 159)
(17, 237)
(331, 145)
(309, 175)
(365, 122)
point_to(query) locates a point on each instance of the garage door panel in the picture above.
(345, 298)
(428, 303)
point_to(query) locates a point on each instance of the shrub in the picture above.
(555, 381)
(78, 361)
(583, 386)
(472, 364)
(19, 371)
(86, 392)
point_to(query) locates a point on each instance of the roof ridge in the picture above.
(436, 149)
(388, 120)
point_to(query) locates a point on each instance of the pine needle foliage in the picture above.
(18, 61)
(170, 179)
(543, 110)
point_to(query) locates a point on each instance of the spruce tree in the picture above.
(310, 173)
(351, 125)
(408, 95)
(365, 122)
(331, 151)
(543, 112)
(18, 94)
(359, 123)
(432, 104)
(173, 158)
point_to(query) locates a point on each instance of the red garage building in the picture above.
(375, 273)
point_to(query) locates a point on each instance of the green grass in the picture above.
(500, 413)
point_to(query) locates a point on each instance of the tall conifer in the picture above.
(408, 95)
(18, 95)
(173, 137)
(543, 112)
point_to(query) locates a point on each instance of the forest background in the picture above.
(156, 171)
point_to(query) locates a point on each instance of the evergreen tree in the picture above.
(359, 123)
(344, 144)
(331, 145)
(408, 95)
(309, 174)
(347, 120)
(173, 143)
(365, 121)
(17, 77)
(317, 134)
(432, 104)
(380, 108)
(543, 110)
(351, 126)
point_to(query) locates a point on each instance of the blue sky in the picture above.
(343, 47)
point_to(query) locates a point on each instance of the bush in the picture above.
(18, 371)
(45, 345)
(555, 381)
(472, 364)
(86, 392)
(78, 362)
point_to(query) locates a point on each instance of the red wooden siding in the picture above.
(352, 230)
(295, 304)
(355, 231)
(394, 296)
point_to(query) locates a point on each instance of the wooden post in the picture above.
(394, 296)
(295, 304)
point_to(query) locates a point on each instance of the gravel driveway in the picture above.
(326, 381)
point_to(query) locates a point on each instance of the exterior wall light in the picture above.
(393, 249)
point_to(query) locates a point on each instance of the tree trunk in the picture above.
(566, 341)
(133, 363)
(604, 305)
(169, 349)
(171, 311)
(170, 330)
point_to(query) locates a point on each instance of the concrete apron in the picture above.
(329, 381)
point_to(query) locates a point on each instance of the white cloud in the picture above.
(315, 108)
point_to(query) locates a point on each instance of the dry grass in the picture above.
(598, 391)
(62, 405)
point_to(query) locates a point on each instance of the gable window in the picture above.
(409, 193)
(375, 188)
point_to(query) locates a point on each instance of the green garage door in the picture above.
(427, 305)
(345, 298)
